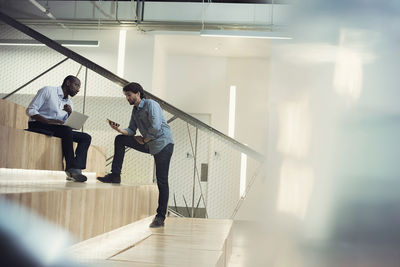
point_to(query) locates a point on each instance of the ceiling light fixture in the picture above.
(46, 11)
(28, 42)
(245, 34)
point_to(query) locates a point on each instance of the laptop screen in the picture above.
(76, 120)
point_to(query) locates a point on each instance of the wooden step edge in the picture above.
(109, 244)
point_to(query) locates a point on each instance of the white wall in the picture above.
(139, 61)
(200, 84)
(250, 76)
(159, 67)
(197, 84)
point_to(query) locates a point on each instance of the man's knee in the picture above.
(65, 132)
(119, 139)
(87, 138)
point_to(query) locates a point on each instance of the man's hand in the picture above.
(139, 139)
(142, 140)
(113, 125)
(68, 109)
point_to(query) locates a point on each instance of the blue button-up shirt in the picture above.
(150, 121)
(49, 103)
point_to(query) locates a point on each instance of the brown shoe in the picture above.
(157, 222)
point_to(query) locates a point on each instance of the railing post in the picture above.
(194, 171)
(84, 94)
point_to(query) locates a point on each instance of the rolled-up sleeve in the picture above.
(130, 132)
(154, 117)
(37, 102)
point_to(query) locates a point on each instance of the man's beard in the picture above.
(132, 102)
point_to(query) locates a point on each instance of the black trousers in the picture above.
(75, 160)
(162, 160)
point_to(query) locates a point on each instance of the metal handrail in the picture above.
(122, 82)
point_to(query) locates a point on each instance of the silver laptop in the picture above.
(76, 120)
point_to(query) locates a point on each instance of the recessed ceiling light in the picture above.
(244, 34)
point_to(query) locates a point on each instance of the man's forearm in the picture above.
(40, 118)
(123, 131)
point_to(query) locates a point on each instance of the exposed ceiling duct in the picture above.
(192, 16)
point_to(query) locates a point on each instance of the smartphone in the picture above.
(112, 123)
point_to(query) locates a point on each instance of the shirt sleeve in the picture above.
(37, 102)
(155, 120)
(132, 126)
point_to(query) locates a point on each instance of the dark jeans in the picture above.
(75, 160)
(162, 160)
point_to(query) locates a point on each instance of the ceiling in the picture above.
(176, 24)
(260, 15)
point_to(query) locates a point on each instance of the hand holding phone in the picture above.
(113, 124)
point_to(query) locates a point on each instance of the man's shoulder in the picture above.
(50, 89)
(151, 103)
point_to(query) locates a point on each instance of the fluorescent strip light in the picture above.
(232, 111)
(42, 8)
(245, 34)
(121, 53)
(26, 42)
(39, 6)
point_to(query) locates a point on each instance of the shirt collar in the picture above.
(141, 104)
(60, 92)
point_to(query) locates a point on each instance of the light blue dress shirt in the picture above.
(49, 103)
(149, 119)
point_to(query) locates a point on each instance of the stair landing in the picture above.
(182, 242)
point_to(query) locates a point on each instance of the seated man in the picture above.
(48, 111)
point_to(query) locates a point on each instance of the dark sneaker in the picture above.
(110, 178)
(75, 175)
(157, 222)
(71, 171)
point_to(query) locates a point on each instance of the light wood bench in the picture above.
(28, 150)
(83, 209)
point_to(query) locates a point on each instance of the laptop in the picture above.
(76, 120)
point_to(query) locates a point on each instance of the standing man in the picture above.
(48, 111)
(155, 138)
